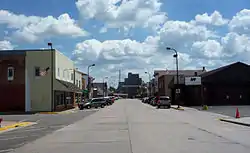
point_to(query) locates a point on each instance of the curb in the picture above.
(48, 113)
(234, 122)
(182, 109)
(16, 125)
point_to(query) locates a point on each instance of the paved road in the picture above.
(129, 126)
(230, 110)
(45, 124)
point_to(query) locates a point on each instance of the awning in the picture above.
(85, 91)
(70, 86)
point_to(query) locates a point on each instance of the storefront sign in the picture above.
(68, 98)
(178, 91)
(189, 81)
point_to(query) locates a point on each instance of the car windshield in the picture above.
(164, 98)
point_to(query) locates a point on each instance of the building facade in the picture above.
(188, 94)
(132, 84)
(12, 81)
(47, 80)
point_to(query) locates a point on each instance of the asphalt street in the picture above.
(229, 110)
(46, 124)
(129, 126)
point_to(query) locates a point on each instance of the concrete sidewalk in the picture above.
(129, 126)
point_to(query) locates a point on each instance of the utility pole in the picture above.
(119, 76)
(89, 80)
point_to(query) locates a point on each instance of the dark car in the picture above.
(148, 100)
(109, 100)
(95, 102)
(163, 101)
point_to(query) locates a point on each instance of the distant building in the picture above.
(132, 84)
(100, 89)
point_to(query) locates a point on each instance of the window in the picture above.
(37, 71)
(68, 75)
(72, 76)
(63, 74)
(10, 73)
(79, 84)
(58, 72)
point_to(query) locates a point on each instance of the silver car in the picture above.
(163, 101)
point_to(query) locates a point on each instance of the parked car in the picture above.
(163, 101)
(153, 101)
(108, 100)
(95, 102)
(144, 99)
(148, 100)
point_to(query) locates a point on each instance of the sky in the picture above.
(131, 35)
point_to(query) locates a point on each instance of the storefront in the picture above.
(68, 97)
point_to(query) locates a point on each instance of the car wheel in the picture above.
(102, 106)
(88, 107)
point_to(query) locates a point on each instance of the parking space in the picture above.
(46, 123)
(229, 110)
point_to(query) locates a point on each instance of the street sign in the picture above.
(192, 81)
(177, 91)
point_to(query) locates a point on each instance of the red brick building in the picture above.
(12, 82)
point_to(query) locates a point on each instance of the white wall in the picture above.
(78, 78)
(64, 67)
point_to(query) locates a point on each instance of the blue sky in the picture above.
(209, 41)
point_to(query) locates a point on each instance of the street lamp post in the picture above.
(149, 79)
(89, 78)
(177, 71)
(103, 86)
(52, 75)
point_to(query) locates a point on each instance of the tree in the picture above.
(112, 89)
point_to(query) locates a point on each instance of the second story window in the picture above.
(63, 74)
(79, 84)
(37, 71)
(10, 73)
(58, 72)
(72, 76)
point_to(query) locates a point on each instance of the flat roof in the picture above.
(22, 51)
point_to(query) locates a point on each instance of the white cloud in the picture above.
(197, 44)
(6, 45)
(236, 45)
(214, 19)
(181, 34)
(206, 49)
(33, 28)
(240, 23)
(129, 13)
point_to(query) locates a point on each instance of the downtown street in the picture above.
(130, 126)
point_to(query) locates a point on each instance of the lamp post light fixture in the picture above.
(177, 70)
(92, 65)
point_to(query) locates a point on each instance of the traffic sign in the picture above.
(177, 91)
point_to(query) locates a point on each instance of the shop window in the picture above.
(58, 72)
(72, 76)
(10, 73)
(37, 71)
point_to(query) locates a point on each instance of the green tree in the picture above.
(112, 89)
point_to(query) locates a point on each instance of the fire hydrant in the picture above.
(1, 122)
